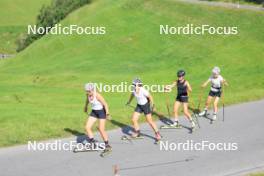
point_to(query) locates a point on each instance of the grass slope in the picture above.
(15, 15)
(257, 174)
(41, 90)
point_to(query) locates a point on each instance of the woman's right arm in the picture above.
(130, 99)
(205, 83)
(169, 87)
(86, 104)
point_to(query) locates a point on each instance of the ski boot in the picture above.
(107, 150)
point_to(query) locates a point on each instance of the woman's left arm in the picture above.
(224, 82)
(102, 100)
(189, 88)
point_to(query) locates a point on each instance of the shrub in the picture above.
(49, 16)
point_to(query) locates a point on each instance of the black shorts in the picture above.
(182, 99)
(99, 114)
(143, 109)
(215, 94)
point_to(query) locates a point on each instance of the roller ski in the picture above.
(174, 125)
(213, 119)
(78, 150)
(157, 141)
(196, 117)
(206, 115)
(87, 147)
(193, 127)
(106, 151)
(84, 149)
(132, 137)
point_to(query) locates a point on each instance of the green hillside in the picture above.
(41, 90)
(19, 12)
(15, 15)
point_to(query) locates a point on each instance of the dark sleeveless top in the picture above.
(182, 88)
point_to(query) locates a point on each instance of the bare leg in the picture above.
(208, 101)
(135, 118)
(207, 104)
(102, 129)
(153, 126)
(186, 111)
(176, 109)
(89, 124)
(216, 104)
(151, 123)
(187, 114)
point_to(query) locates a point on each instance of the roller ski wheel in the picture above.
(125, 138)
(84, 149)
(157, 141)
(193, 129)
(170, 127)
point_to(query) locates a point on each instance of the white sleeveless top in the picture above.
(216, 83)
(141, 96)
(95, 104)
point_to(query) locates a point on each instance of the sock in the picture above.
(176, 121)
(91, 140)
(157, 133)
(138, 132)
(106, 143)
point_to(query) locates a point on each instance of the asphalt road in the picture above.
(243, 126)
(236, 5)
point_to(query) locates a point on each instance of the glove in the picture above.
(153, 107)
(85, 109)
(108, 117)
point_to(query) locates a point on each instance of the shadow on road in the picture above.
(80, 137)
(162, 118)
(187, 128)
(127, 130)
(208, 118)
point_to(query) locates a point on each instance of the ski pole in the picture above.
(153, 108)
(168, 105)
(200, 98)
(223, 112)
(223, 102)
(197, 120)
(131, 106)
(194, 113)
